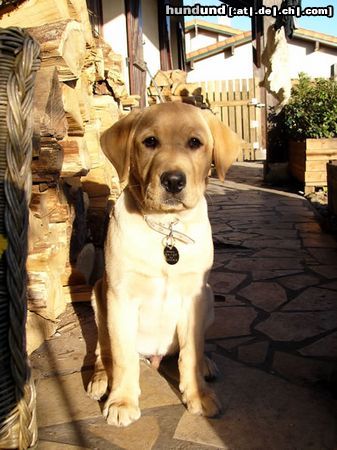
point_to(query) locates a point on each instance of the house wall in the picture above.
(114, 30)
(302, 58)
(224, 66)
(199, 40)
(151, 37)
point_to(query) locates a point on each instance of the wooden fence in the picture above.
(236, 105)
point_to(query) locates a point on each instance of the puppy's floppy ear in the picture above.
(116, 143)
(227, 144)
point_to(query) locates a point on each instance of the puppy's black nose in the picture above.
(173, 181)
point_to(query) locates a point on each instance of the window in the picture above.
(95, 16)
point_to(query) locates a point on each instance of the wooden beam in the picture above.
(164, 40)
(261, 32)
(259, 70)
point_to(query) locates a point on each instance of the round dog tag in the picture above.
(171, 254)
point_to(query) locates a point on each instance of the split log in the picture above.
(156, 90)
(101, 181)
(152, 100)
(178, 76)
(102, 88)
(45, 264)
(72, 277)
(92, 139)
(93, 68)
(99, 64)
(79, 92)
(111, 59)
(166, 90)
(186, 89)
(73, 110)
(116, 82)
(47, 165)
(84, 92)
(38, 330)
(132, 101)
(79, 11)
(180, 98)
(162, 79)
(76, 159)
(37, 232)
(105, 109)
(79, 293)
(50, 205)
(34, 13)
(66, 158)
(62, 45)
(49, 115)
(45, 292)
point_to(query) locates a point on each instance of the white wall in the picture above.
(199, 40)
(219, 67)
(302, 58)
(114, 30)
(151, 38)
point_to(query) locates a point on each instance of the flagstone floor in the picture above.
(274, 339)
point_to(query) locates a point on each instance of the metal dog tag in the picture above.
(171, 254)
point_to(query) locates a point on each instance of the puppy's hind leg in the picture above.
(210, 369)
(98, 384)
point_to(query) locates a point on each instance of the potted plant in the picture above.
(310, 123)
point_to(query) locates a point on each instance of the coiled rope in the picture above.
(19, 61)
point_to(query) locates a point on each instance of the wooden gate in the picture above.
(236, 105)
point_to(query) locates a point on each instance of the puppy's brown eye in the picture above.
(194, 143)
(151, 142)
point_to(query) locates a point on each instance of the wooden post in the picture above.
(260, 26)
(137, 68)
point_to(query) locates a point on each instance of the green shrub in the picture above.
(312, 109)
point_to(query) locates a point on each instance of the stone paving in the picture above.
(274, 340)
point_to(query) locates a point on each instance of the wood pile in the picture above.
(171, 86)
(79, 92)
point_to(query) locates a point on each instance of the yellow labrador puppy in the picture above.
(154, 299)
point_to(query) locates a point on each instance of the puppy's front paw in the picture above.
(120, 412)
(98, 385)
(204, 403)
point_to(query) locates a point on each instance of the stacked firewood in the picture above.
(171, 86)
(79, 92)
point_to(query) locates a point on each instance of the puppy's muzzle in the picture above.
(173, 181)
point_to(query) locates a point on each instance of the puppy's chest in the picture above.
(157, 253)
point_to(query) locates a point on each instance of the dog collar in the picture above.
(171, 253)
(168, 230)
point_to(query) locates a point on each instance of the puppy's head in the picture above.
(166, 151)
